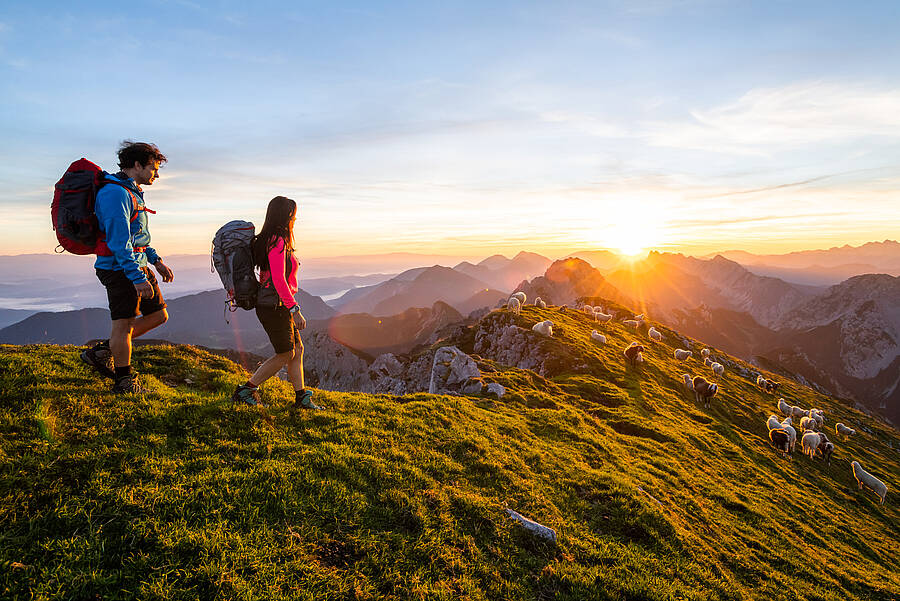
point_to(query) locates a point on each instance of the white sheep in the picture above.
(631, 323)
(519, 295)
(588, 309)
(871, 482)
(761, 381)
(682, 355)
(543, 327)
(707, 361)
(772, 423)
(639, 317)
(784, 407)
(808, 424)
(595, 335)
(718, 369)
(787, 426)
(704, 353)
(539, 303)
(602, 317)
(655, 334)
(798, 411)
(810, 443)
(840, 428)
(514, 305)
(688, 381)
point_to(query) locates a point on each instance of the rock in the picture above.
(451, 369)
(538, 530)
(386, 365)
(472, 386)
(494, 388)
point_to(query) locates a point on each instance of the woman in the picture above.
(276, 309)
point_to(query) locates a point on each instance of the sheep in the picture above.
(683, 355)
(810, 443)
(631, 323)
(705, 353)
(514, 305)
(633, 353)
(707, 361)
(798, 412)
(827, 450)
(787, 426)
(808, 424)
(818, 415)
(655, 334)
(639, 317)
(772, 385)
(784, 407)
(781, 440)
(602, 317)
(587, 309)
(718, 369)
(519, 295)
(538, 302)
(704, 389)
(688, 382)
(761, 381)
(543, 327)
(595, 335)
(871, 482)
(772, 423)
(840, 428)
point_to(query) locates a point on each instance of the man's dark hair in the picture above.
(142, 152)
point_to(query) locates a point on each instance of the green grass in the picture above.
(177, 494)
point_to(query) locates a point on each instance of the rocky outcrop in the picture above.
(498, 339)
(329, 365)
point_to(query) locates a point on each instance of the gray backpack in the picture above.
(232, 256)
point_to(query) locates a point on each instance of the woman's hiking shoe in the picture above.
(305, 402)
(245, 394)
(127, 385)
(100, 358)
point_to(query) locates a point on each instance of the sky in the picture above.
(467, 128)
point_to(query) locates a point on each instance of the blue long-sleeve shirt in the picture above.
(114, 209)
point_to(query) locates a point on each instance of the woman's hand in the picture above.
(299, 320)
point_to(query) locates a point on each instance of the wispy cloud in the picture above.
(766, 119)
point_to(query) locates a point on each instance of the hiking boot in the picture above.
(245, 394)
(100, 358)
(127, 385)
(305, 402)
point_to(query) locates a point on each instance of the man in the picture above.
(130, 285)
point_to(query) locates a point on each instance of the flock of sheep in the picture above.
(782, 434)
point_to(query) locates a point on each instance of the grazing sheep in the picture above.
(772, 385)
(818, 415)
(514, 305)
(688, 381)
(784, 407)
(808, 424)
(704, 390)
(587, 309)
(761, 382)
(595, 335)
(840, 428)
(520, 296)
(864, 478)
(798, 412)
(704, 353)
(602, 317)
(781, 440)
(631, 323)
(655, 334)
(718, 369)
(543, 327)
(683, 355)
(787, 426)
(538, 302)
(827, 450)
(772, 423)
(633, 353)
(639, 317)
(810, 443)
(707, 361)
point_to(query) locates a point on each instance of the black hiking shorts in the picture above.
(124, 302)
(279, 326)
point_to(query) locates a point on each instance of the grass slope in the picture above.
(177, 494)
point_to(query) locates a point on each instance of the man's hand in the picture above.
(144, 290)
(167, 274)
(299, 320)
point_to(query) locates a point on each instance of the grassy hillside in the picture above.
(177, 494)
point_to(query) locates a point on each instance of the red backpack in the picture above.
(72, 210)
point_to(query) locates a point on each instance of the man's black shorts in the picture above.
(124, 303)
(278, 324)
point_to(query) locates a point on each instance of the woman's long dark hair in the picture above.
(277, 225)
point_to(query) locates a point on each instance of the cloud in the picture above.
(802, 114)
